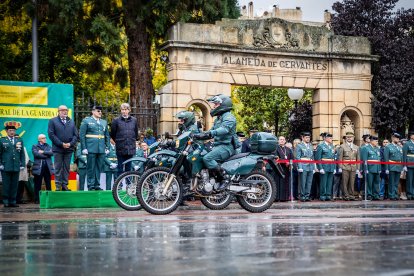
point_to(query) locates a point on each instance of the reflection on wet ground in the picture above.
(333, 238)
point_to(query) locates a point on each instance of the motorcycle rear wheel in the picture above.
(124, 191)
(257, 203)
(149, 189)
(217, 201)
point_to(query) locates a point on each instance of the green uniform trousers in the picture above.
(82, 178)
(373, 182)
(325, 186)
(305, 184)
(219, 153)
(10, 184)
(394, 179)
(109, 179)
(410, 183)
(94, 167)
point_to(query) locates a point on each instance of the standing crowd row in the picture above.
(317, 174)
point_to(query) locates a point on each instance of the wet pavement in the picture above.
(353, 238)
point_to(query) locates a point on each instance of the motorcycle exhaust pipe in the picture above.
(168, 184)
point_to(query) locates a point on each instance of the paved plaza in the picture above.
(335, 238)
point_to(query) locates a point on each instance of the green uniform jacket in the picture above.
(224, 130)
(371, 154)
(93, 136)
(361, 150)
(325, 152)
(11, 157)
(82, 159)
(305, 153)
(393, 152)
(408, 153)
(110, 158)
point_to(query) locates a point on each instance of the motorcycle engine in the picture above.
(206, 185)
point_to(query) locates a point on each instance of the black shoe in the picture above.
(91, 189)
(13, 205)
(65, 188)
(21, 202)
(6, 205)
(98, 189)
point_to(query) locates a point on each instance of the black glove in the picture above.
(203, 135)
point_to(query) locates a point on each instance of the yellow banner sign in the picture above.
(23, 95)
(29, 112)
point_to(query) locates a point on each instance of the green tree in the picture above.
(392, 38)
(148, 21)
(264, 108)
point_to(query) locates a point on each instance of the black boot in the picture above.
(222, 178)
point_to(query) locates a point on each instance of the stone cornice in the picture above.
(171, 44)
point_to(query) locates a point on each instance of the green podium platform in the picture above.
(78, 199)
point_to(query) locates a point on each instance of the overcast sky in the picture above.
(312, 10)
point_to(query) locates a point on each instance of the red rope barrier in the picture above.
(346, 162)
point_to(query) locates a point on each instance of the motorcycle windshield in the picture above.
(153, 147)
(182, 140)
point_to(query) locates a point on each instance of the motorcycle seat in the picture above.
(237, 156)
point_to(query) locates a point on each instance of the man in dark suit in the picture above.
(124, 131)
(64, 136)
(42, 166)
(12, 160)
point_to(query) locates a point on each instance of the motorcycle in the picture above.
(124, 188)
(160, 189)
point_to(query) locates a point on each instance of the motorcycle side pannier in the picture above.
(263, 143)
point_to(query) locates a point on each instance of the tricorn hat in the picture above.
(305, 133)
(372, 137)
(328, 135)
(396, 135)
(410, 132)
(96, 107)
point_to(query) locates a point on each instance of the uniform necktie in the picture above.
(12, 140)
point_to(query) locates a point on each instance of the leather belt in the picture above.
(410, 155)
(305, 158)
(394, 161)
(372, 160)
(112, 158)
(327, 159)
(94, 136)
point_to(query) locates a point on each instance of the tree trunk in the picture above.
(139, 47)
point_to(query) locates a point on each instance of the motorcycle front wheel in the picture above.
(217, 201)
(150, 191)
(124, 191)
(262, 200)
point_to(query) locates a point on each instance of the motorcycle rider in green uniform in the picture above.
(225, 138)
(187, 122)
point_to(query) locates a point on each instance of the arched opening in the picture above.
(351, 122)
(201, 111)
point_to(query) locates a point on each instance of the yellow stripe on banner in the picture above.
(29, 112)
(10, 94)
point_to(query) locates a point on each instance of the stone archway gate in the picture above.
(205, 60)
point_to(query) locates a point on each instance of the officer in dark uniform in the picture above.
(12, 160)
(111, 164)
(81, 161)
(225, 138)
(304, 151)
(326, 152)
(372, 153)
(94, 139)
(408, 157)
(393, 153)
